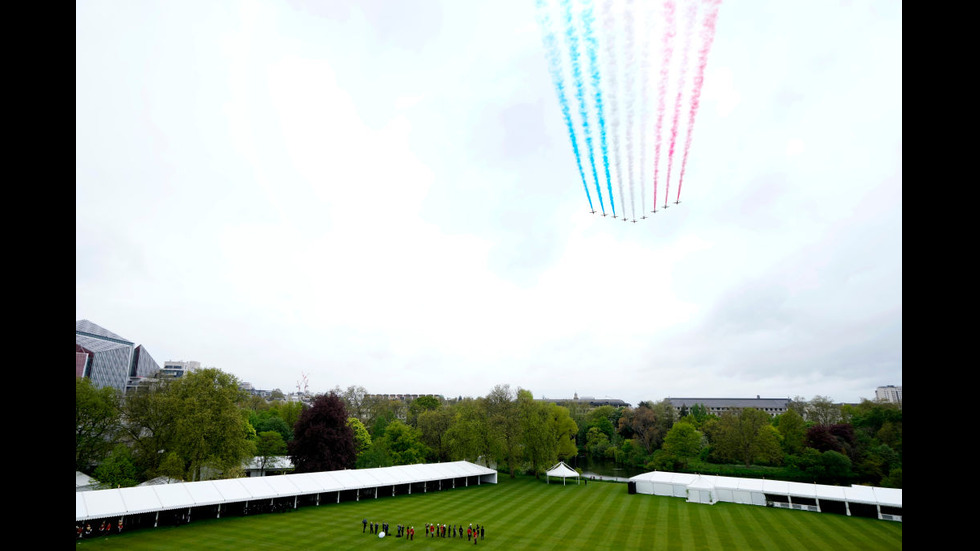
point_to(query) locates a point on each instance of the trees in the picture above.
(596, 442)
(354, 399)
(683, 441)
(539, 443)
(210, 429)
(194, 422)
(97, 422)
(268, 446)
(404, 443)
(399, 445)
(745, 435)
(149, 413)
(270, 420)
(323, 441)
(821, 410)
(466, 438)
(118, 470)
(362, 438)
(829, 467)
(792, 429)
(433, 426)
(503, 431)
(419, 406)
(563, 430)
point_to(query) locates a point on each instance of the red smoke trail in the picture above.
(668, 45)
(707, 37)
(691, 15)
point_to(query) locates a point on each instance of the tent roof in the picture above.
(562, 470)
(140, 499)
(702, 483)
(82, 479)
(855, 493)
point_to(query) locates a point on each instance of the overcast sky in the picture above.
(383, 194)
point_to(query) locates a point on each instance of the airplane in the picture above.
(643, 217)
(677, 202)
(593, 211)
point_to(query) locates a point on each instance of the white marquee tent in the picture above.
(702, 490)
(883, 503)
(120, 502)
(562, 470)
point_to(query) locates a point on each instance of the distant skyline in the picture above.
(298, 385)
(384, 194)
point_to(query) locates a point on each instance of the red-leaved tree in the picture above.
(322, 439)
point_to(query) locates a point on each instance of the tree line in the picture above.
(203, 425)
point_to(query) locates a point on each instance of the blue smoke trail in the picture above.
(554, 64)
(572, 38)
(592, 49)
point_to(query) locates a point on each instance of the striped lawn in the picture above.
(525, 513)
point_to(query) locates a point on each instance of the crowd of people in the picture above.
(472, 533)
(104, 528)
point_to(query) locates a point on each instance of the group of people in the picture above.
(473, 533)
(104, 529)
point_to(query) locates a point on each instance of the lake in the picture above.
(605, 468)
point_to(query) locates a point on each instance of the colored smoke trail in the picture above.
(592, 49)
(554, 65)
(612, 83)
(668, 51)
(707, 37)
(691, 14)
(572, 38)
(631, 65)
(630, 84)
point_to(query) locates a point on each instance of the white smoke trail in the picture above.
(614, 93)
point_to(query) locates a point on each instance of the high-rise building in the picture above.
(108, 359)
(889, 393)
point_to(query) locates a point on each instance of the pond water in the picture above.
(604, 468)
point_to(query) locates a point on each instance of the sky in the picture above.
(384, 194)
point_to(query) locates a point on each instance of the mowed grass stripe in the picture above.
(525, 513)
(728, 516)
(715, 533)
(593, 516)
(535, 516)
(761, 528)
(639, 514)
(578, 507)
(847, 532)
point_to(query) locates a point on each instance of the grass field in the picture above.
(525, 513)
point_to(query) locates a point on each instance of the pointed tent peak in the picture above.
(562, 470)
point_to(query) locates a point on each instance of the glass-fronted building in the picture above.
(108, 359)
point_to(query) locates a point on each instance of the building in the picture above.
(717, 406)
(108, 359)
(407, 398)
(179, 368)
(889, 393)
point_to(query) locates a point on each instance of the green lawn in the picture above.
(525, 513)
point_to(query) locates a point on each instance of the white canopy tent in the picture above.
(564, 471)
(120, 502)
(883, 503)
(702, 490)
(663, 483)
